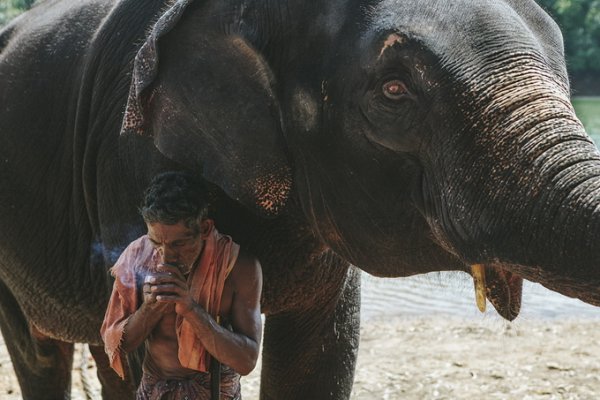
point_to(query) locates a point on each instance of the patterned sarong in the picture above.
(195, 387)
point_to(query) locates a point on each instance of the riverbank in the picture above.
(441, 357)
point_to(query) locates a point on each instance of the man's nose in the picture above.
(169, 255)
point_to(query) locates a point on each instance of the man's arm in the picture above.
(238, 349)
(126, 325)
(142, 322)
(139, 327)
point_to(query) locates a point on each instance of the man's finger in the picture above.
(172, 269)
(166, 278)
(167, 298)
(160, 285)
(166, 288)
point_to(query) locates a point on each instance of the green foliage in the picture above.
(11, 8)
(580, 24)
(23, 4)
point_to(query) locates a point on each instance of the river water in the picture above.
(452, 293)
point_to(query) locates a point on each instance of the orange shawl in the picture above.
(206, 284)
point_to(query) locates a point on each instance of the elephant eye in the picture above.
(394, 89)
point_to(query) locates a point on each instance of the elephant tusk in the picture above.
(478, 272)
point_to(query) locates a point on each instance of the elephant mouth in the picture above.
(501, 287)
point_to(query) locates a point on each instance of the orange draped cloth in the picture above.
(206, 282)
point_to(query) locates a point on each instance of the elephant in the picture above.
(395, 137)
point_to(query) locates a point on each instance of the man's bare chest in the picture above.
(166, 327)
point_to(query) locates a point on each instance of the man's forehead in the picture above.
(179, 230)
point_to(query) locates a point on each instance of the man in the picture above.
(173, 286)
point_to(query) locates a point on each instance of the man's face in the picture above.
(179, 244)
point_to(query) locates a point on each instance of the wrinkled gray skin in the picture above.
(398, 136)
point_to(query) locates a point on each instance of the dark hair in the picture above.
(175, 196)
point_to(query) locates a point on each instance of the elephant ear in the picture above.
(145, 68)
(187, 106)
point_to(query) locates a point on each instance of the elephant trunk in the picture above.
(559, 224)
(534, 183)
(562, 223)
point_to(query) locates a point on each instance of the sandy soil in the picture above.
(440, 358)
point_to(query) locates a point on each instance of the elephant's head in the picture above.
(417, 135)
(452, 121)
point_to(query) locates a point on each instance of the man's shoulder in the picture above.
(246, 267)
(246, 260)
(138, 251)
(138, 245)
(142, 241)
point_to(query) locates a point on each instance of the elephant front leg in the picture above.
(311, 354)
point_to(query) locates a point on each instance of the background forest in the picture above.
(11, 8)
(578, 19)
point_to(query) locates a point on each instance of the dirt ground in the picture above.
(438, 357)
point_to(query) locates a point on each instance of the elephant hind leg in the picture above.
(113, 387)
(42, 365)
